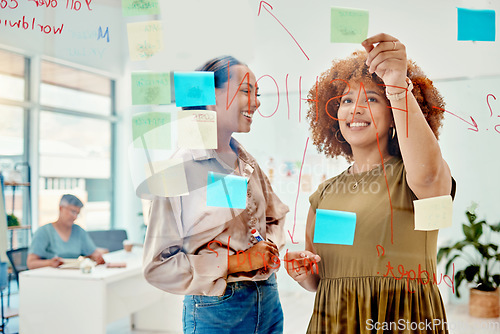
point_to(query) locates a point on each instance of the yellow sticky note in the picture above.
(197, 129)
(144, 39)
(167, 178)
(433, 213)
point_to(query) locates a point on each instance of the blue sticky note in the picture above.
(194, 89)
(334, 227)
(226, 191)
(476, 24)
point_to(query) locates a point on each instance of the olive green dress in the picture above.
(393, 287)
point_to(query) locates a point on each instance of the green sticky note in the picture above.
(140, 7)
(150, 88)
(349, 25)
(153, 130)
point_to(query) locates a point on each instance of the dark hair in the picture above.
(220, 66)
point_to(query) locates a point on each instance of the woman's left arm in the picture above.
(428, 175)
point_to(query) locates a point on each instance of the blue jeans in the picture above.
(245, 307)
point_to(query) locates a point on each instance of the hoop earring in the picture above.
(393, 132)
(336, 137)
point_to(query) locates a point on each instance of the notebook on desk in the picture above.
(71, 263)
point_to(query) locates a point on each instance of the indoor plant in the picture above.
(482, 268)
(12, 220)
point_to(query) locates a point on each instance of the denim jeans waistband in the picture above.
(270, 281)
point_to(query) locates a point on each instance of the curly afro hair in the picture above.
(324, 100)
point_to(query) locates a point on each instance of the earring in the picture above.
(336, 137)
(393, 132)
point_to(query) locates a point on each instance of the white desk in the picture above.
(67, 301)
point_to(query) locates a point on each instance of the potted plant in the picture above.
(12, 220)
(482, 268)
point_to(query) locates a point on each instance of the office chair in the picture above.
(18, 258)
(110, 239)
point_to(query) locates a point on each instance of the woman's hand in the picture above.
(97, 257)
(387, 58)
(301, 264)
(55, 262)
(263, 254)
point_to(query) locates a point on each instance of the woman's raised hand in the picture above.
(387, 58)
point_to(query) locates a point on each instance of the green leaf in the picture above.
(469, 234)
(443, 252)
(470, 272)
(496, 227)
(471, 217)
(483, 249)
(496, 279)
(449, 263)
(461, 244)
(477, 231)
(459, 277)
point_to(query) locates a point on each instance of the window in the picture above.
(11, 131)
(12, 82)
(75, 143)
(67, 88)
(13, 155)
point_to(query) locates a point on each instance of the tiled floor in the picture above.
(297, 307)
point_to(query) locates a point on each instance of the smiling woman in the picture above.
(326, 98)
(193, 247)
(369, 99)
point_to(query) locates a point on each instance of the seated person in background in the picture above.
(62, 239)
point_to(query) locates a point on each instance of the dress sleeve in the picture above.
(168, 266)
(40, 243)
(316, 196)
(275, 213)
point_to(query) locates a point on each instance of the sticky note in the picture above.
(348, 25)
(194, 89)
(153, 129)
(140, 7)
(433, 213)
(144, 39)
(166, 178)
(476, 24)
(150, 88)
(334, 227)
(226, 191)
(197, 129)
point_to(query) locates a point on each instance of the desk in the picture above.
(67, 301)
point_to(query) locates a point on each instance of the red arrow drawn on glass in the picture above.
(297, 199)
(269, 11)
(473, 124)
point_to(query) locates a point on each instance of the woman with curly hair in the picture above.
(380, 112)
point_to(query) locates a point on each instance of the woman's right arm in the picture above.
(302, 266)
(34, 261)
(168, 267)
